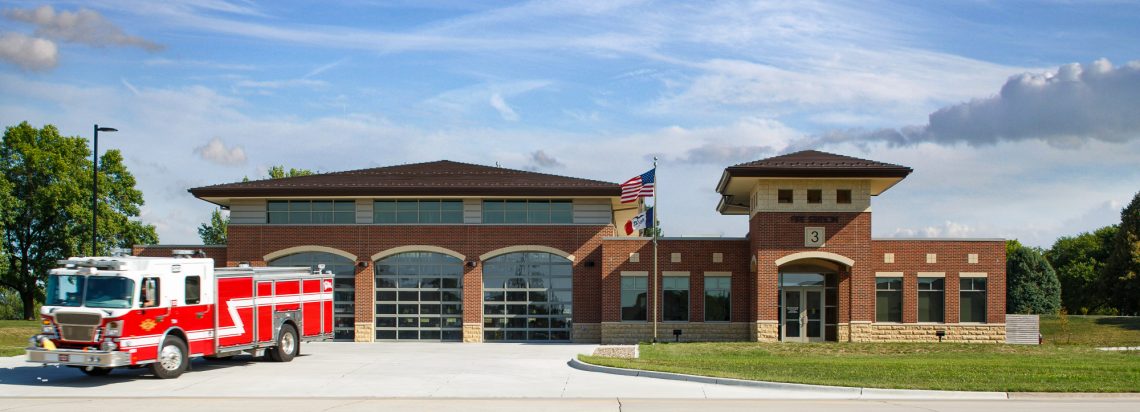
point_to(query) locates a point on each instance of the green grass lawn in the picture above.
(946, 366)
(14, 335)
(1092, 331)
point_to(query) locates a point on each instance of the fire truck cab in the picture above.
(106, 312)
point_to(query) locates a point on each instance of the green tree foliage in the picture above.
(1031, 283)
(279, 172)
(214, 233)
(48, 216)
(1122, 271)
(1079, 261)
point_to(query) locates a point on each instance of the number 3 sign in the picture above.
(813, 236)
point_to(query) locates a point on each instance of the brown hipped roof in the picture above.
(814, 163)
(736, 181)
(439, 178)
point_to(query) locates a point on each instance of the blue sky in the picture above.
(1018, 117)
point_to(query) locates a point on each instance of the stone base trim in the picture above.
(765, 331)
(472, 333)
(967, 333)
(586, 333)
(364, 332)
(614, 333)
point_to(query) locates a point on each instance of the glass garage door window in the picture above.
(419, 296)
(527, 297)
(344, 287)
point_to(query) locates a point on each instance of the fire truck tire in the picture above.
(172, 359)
(288, 345)
(95, 370)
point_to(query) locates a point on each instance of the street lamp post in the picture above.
(95, 186)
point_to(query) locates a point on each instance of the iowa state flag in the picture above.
(641, 221)
(639, 186)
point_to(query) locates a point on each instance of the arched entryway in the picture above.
(809, 296)
(342, 266)
(419, 296)
(527, 296)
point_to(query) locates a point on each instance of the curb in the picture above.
(831, 392)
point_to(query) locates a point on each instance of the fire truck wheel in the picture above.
(172, 359)
(95, 370)
(287, 345)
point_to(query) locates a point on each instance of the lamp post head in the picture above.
(107, 129)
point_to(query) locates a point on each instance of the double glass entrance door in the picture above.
(802, 315)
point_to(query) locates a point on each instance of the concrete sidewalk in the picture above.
(381, 370)
(412, 370)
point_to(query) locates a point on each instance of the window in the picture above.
(718, 294)
(415, 211)
(676, 298)
(193, 290)
(784, 196)
(843, 196)
(931, 299)
(149, 294)
(888, 299)
(528, 211)
(973, 300)
(304, 212)
(815, 196)
(634, 297)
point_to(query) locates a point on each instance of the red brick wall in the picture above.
(216, 252)
(252, 242)
(910, 258)
(696, 258)
(775, 235)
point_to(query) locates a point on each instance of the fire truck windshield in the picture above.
(105, 292)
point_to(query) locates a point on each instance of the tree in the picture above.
(48, 216)
(1031, 283)
(1079, 262)
(278, 172)
(214, 233)
(1122, 271)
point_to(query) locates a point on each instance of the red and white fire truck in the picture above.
(106, 312)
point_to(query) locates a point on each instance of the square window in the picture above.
(843, 196)
(815, 196)
(784, 196)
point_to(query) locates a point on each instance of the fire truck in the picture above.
(106, 312)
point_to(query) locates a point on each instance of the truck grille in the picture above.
(77, 333)
(78, 327)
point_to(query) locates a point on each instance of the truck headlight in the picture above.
(109, 345)
(48, 329)
(114, 329)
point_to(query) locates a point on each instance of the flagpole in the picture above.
(656, 293)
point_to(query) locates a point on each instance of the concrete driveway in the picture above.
(380, 370)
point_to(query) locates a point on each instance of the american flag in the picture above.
(640, 186)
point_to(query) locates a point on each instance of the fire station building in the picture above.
(460, 252)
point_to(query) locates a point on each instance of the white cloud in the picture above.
(216, 152)
(504, 110)
(541, 159)
(29, 53)
(1065, 108)
(83, 26)
(947, 229)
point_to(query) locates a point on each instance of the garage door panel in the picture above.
(526, 297)
(419, 297)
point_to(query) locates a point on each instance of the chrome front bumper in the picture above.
(71, 357)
